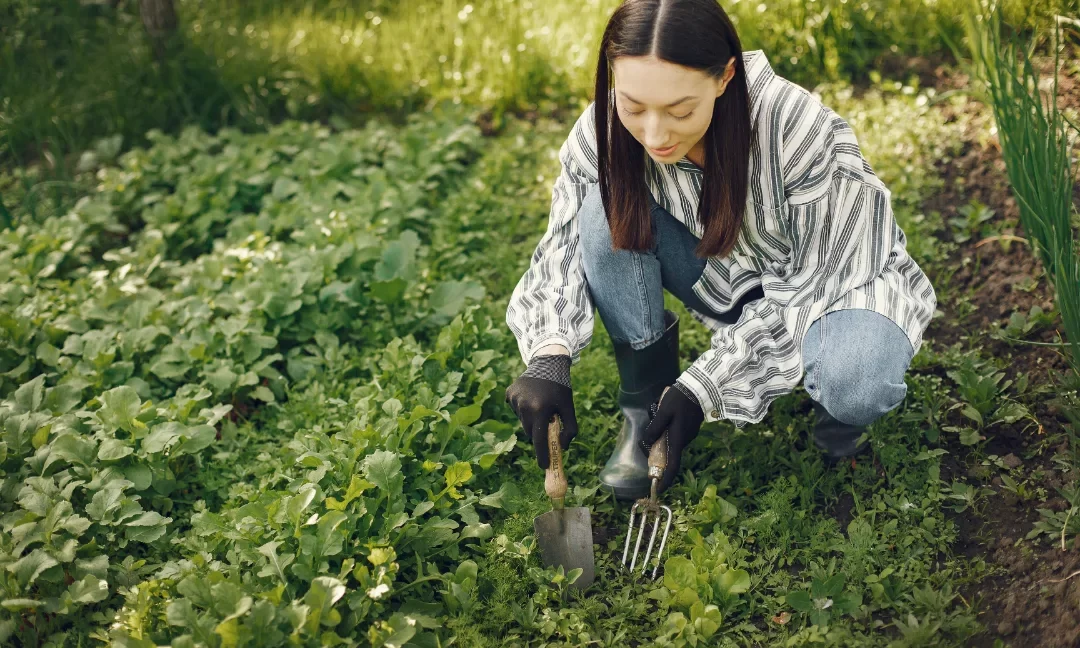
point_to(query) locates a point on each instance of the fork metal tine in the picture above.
(652, 543)
(637, 545)
(626, 547)
(663, 515)
(663, 540)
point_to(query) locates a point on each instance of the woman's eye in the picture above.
(686, 116)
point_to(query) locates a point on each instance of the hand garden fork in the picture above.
(650, 507)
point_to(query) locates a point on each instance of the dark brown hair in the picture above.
(694, 34)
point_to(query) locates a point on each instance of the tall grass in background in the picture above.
(73, 71)
(1037, 148)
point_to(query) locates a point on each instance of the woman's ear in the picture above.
(729, 74)
(729, 71)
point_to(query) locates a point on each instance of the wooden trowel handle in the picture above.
(554, 477)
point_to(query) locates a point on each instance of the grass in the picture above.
(75, 72)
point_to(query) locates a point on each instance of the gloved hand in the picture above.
(679, 413)
(540, 393)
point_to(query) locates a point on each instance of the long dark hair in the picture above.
(695, 34)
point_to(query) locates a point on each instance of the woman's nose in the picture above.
(655, 135)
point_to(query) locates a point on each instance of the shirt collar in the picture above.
(758, 76)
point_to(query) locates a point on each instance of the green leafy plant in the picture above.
(972, 221)
(1021, 324)
(158, 317)
(965, 495)
(981, 391)
(1060, 526)
(824, 598)
(1024, 490)
(928, 405)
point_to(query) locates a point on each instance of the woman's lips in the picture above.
(667, 151)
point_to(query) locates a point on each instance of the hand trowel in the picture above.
(564, 534)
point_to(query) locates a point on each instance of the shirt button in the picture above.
(715, 414)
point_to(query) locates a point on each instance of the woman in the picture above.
(742, 195)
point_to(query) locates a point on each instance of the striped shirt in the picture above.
(819, 236)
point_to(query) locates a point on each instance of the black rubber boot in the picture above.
(834, 438)
(643, 374)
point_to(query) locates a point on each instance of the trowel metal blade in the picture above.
(565, 538)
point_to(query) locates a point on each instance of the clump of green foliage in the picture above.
(251, 396)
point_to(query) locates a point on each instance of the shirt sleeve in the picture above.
(551, 302)
(842, 230)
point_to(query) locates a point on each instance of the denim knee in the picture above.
(858, 392)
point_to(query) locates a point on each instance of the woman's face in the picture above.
(666, 107)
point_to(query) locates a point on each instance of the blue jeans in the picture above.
(854, 360)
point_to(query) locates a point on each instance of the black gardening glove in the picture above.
(678, 412)
(537, 396)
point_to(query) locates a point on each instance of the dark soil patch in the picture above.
(603, 534)
(926, 69)
(1029, 599)
(842, 509)
(999, 279)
